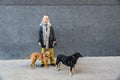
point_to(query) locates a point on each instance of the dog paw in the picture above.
(32, 67)
(58, 69)
(74, 72)
(70, 74)
(46, 67)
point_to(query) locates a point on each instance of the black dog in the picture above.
(68, 61)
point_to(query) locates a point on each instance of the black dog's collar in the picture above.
(74, 57)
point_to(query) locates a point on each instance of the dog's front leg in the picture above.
(74, 70)
(58, 67)
(70, 71)
(46, 63)
(32, 66)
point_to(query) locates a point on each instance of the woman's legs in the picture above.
(52, 61)
(42, 51)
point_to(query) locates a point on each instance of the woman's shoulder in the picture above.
(40, 27)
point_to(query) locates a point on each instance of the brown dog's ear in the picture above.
(48, 54)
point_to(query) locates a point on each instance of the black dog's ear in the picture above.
(79, 54)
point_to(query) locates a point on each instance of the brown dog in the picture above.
(44, 57)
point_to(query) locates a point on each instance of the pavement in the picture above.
(89, 68)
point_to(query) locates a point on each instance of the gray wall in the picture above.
(91, 30)
(59, 2)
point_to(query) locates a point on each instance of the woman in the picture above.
(47, 39)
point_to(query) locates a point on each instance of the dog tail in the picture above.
(28, 57)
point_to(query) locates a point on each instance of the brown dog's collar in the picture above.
(46, 56)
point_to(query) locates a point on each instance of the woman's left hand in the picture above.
(54, 43)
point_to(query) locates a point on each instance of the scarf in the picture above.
(46, 34)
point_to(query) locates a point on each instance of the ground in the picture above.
(89, 68)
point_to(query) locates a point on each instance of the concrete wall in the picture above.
(90, 29)
(59, 2)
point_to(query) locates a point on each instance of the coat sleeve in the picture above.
(40, 34)
(53, 34)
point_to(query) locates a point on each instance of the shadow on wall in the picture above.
(119, 2)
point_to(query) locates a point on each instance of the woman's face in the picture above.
(45, 19)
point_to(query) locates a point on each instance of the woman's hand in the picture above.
(39, 43)
(54, 43)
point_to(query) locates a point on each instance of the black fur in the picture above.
(68, 60)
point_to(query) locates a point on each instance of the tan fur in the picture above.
(44, 57)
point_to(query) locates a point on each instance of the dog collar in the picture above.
(46, 56)
(74, 57)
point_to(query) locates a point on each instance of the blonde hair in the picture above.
(45, 16)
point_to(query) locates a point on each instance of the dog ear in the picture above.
(80, 54)
(49, 54)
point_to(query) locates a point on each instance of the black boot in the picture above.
(52, 64)
(42, 65)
